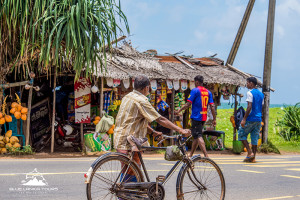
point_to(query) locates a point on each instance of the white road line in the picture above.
(273, 198)
(291, 176)
(257, 172)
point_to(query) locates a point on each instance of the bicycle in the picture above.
(118, 176)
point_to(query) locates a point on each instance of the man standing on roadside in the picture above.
(199, 98)
(251, 122)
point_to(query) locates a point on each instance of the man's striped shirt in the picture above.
(133, 117)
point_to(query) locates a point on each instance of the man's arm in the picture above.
(168, 124)
(153, 132)
(248, 111)
(213, 111)
(186, 106)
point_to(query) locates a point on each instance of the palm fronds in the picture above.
(61, 33)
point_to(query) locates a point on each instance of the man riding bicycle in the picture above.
(134, 116)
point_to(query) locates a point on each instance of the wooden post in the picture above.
(28, 116)
(101, 96)
(82, 137)
(172, 112)
(267, 68)
(240, 33)
(53, 111)
(234, 112)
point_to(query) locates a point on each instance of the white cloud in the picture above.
(200, 36)
(280, 31)
(288, 7)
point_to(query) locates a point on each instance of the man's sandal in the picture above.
(249, 159)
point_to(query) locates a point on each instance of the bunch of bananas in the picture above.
(117, 102)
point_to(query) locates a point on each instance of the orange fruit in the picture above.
(8, 118)
(24, 110)
(111, 130)
(2, 120)
(14, 104)
(24, 117)
(17, 115)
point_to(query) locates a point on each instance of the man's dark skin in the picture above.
(200, 140)
(250, 86)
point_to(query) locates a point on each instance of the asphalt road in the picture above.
(272, 177)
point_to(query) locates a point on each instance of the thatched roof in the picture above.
(126, 62)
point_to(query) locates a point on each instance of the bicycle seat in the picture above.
(136, 143)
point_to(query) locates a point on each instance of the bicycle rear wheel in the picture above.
(107, 172)
(208, 174)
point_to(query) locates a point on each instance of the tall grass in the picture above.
(289, 124)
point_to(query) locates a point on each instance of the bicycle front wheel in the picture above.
(207, 181)
(108, 173)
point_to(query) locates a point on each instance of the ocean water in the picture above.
(225, 105)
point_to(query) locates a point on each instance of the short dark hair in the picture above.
(140, 82)
(252, 80)
(199, 78)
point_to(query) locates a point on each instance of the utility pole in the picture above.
(240, 33)
(267, 68)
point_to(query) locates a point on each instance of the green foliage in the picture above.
(69, 33)
(224, 124)
(25, 150)
(289, 124)
(268, 147)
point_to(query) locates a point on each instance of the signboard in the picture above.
(39, 120)
(82, 89)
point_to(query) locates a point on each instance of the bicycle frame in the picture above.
(185, 160)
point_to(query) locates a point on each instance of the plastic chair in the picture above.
(13, 126)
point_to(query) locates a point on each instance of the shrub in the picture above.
(268, 147)
(289, 125)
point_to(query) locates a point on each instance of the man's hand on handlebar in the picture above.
(157, 135)
(185, 132)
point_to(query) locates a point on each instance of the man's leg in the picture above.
(194, 147)
(202, 146)
(243, 134)
(254, 149)
(255, 137)
(246, 144)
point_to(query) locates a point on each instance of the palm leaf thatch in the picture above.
(38, 34)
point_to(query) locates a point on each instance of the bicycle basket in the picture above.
(173, 153)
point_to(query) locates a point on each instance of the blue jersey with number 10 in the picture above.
(200, 97)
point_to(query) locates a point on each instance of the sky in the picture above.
(205, 27)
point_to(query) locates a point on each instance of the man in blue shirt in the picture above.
(251, 122)
(199, 98)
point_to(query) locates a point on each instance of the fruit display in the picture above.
(17, 110)
(9, 142)
(97, 120)
(111, 130)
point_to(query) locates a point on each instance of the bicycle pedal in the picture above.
(161, 178)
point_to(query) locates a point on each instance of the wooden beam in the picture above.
(53, 111)
(247, 75)
(267, 68)
(101, 95)
(28, 117)
(234, 112)
(240, 33)
(10, 85)
(184, 62)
